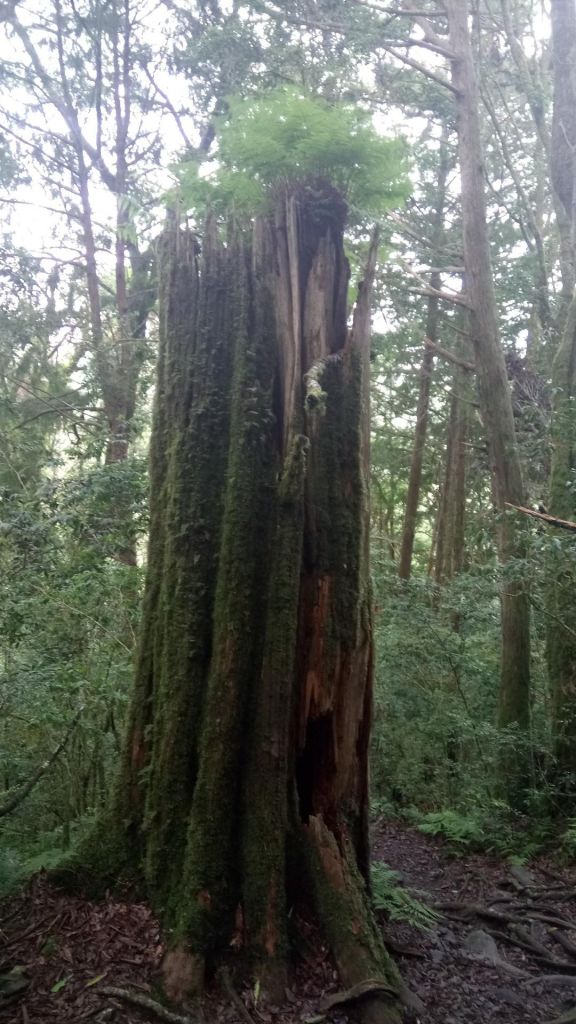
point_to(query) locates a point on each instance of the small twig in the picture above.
(36, 926)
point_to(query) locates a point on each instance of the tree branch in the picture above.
(14, 801)
(66, 111)
(445, 354)
(439, 79)
(562, 524)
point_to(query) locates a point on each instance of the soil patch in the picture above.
(502, 951)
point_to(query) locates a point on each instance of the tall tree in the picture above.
(561, 605)
(426, 369)
(246, 764)
(494, 391)
(82, 118)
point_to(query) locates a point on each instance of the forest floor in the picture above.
(503, 950)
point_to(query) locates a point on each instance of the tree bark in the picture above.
(494, 392)
(449, 552)
(244, 787)
(561, 645)
(421, 429)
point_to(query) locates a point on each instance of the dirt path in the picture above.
(504, 951)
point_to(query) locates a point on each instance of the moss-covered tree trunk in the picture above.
(244, 789)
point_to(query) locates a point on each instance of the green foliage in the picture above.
(453, 826)
(568, 839)
(435, 741)
(389, 896)
(10, 872)
(287, 137)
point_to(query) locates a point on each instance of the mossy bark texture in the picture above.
(250, 721)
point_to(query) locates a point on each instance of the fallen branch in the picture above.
(145, 1003)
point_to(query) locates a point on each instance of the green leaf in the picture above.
(60, 985)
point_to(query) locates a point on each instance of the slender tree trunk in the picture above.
(451, 510)
(495, 398)
(561, 646)
(244, 788)
(420, 432)
(426, 368)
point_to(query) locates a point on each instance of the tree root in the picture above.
(232, 994)
(566, 1018)
(364, 988)
(340, 898)
(563, 940)
(469, 910)
(146, 1003)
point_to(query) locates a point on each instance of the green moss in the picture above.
(104, 860)
(341, 902)
(265, 796)
(211, 869)
(195, 441)
(202, 805)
